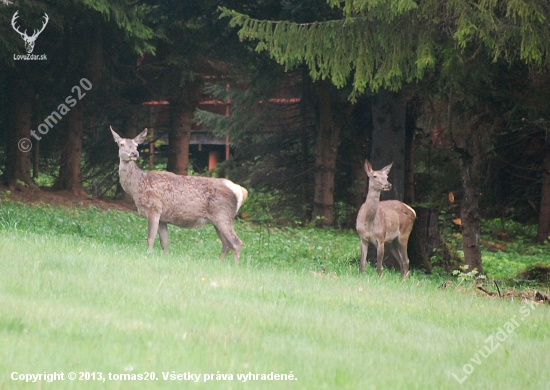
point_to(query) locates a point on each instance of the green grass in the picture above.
(521, 250)
(79, 293)
(508, 248)
(507, 265)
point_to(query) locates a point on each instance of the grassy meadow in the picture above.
(79, 293)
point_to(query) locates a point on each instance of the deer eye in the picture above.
(374, 176)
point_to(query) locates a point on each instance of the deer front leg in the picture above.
(364, 252)
(152, 225)
(379, 257)
(163, 236)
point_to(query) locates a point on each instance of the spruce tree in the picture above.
(386, 44)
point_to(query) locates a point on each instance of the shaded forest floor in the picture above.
(64, 198)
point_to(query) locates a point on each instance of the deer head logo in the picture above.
(29, 41)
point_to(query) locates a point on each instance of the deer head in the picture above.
(378, 180)
(29, 41)
(127, 148)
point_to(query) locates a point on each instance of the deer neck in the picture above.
(371, 205)
(130, 176)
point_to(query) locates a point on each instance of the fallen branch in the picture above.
(481, 288)
(537, 296)
(498, 288)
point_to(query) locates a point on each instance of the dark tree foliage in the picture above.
(74, 46)
(386, 44)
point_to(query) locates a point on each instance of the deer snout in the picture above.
(129, 155)
(387, 187)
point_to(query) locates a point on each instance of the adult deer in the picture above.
(389, 221)
(186, 201)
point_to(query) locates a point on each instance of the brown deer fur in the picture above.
(388, 221)
(186, 201)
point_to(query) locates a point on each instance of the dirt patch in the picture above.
(538, 273)
(65, 199)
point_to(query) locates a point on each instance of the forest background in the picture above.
(456, 94)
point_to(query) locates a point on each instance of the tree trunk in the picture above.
(360, 188)
(18, 161)
(362, 119)
(469, 213)
(152, 149)
(131, 122)
(388, 139)
(69, 171)
(181, 120)
(182, 110)
(308, 121)
(543, 231)
(467, 140)
(36, 160)
(410, 128)
(426, 242)
(92, 64)
(303, 170)
(73, 150)
(325, 161)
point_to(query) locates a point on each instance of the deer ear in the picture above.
(115, 135)
(386, 169)
(141, 137)
(368, 168)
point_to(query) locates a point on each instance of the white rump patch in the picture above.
(237, 190)
(410, 208)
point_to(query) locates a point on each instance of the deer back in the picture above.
(188, 201)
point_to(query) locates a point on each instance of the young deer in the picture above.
(388, 221)
(185, 201)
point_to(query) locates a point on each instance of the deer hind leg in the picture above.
(364, 252)
(230, 241)
(379, 257)
(237, 249)
(402, 260)
(226, 246)
(152, 225)
(235, 242)
(402, 249)
(163, 236)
